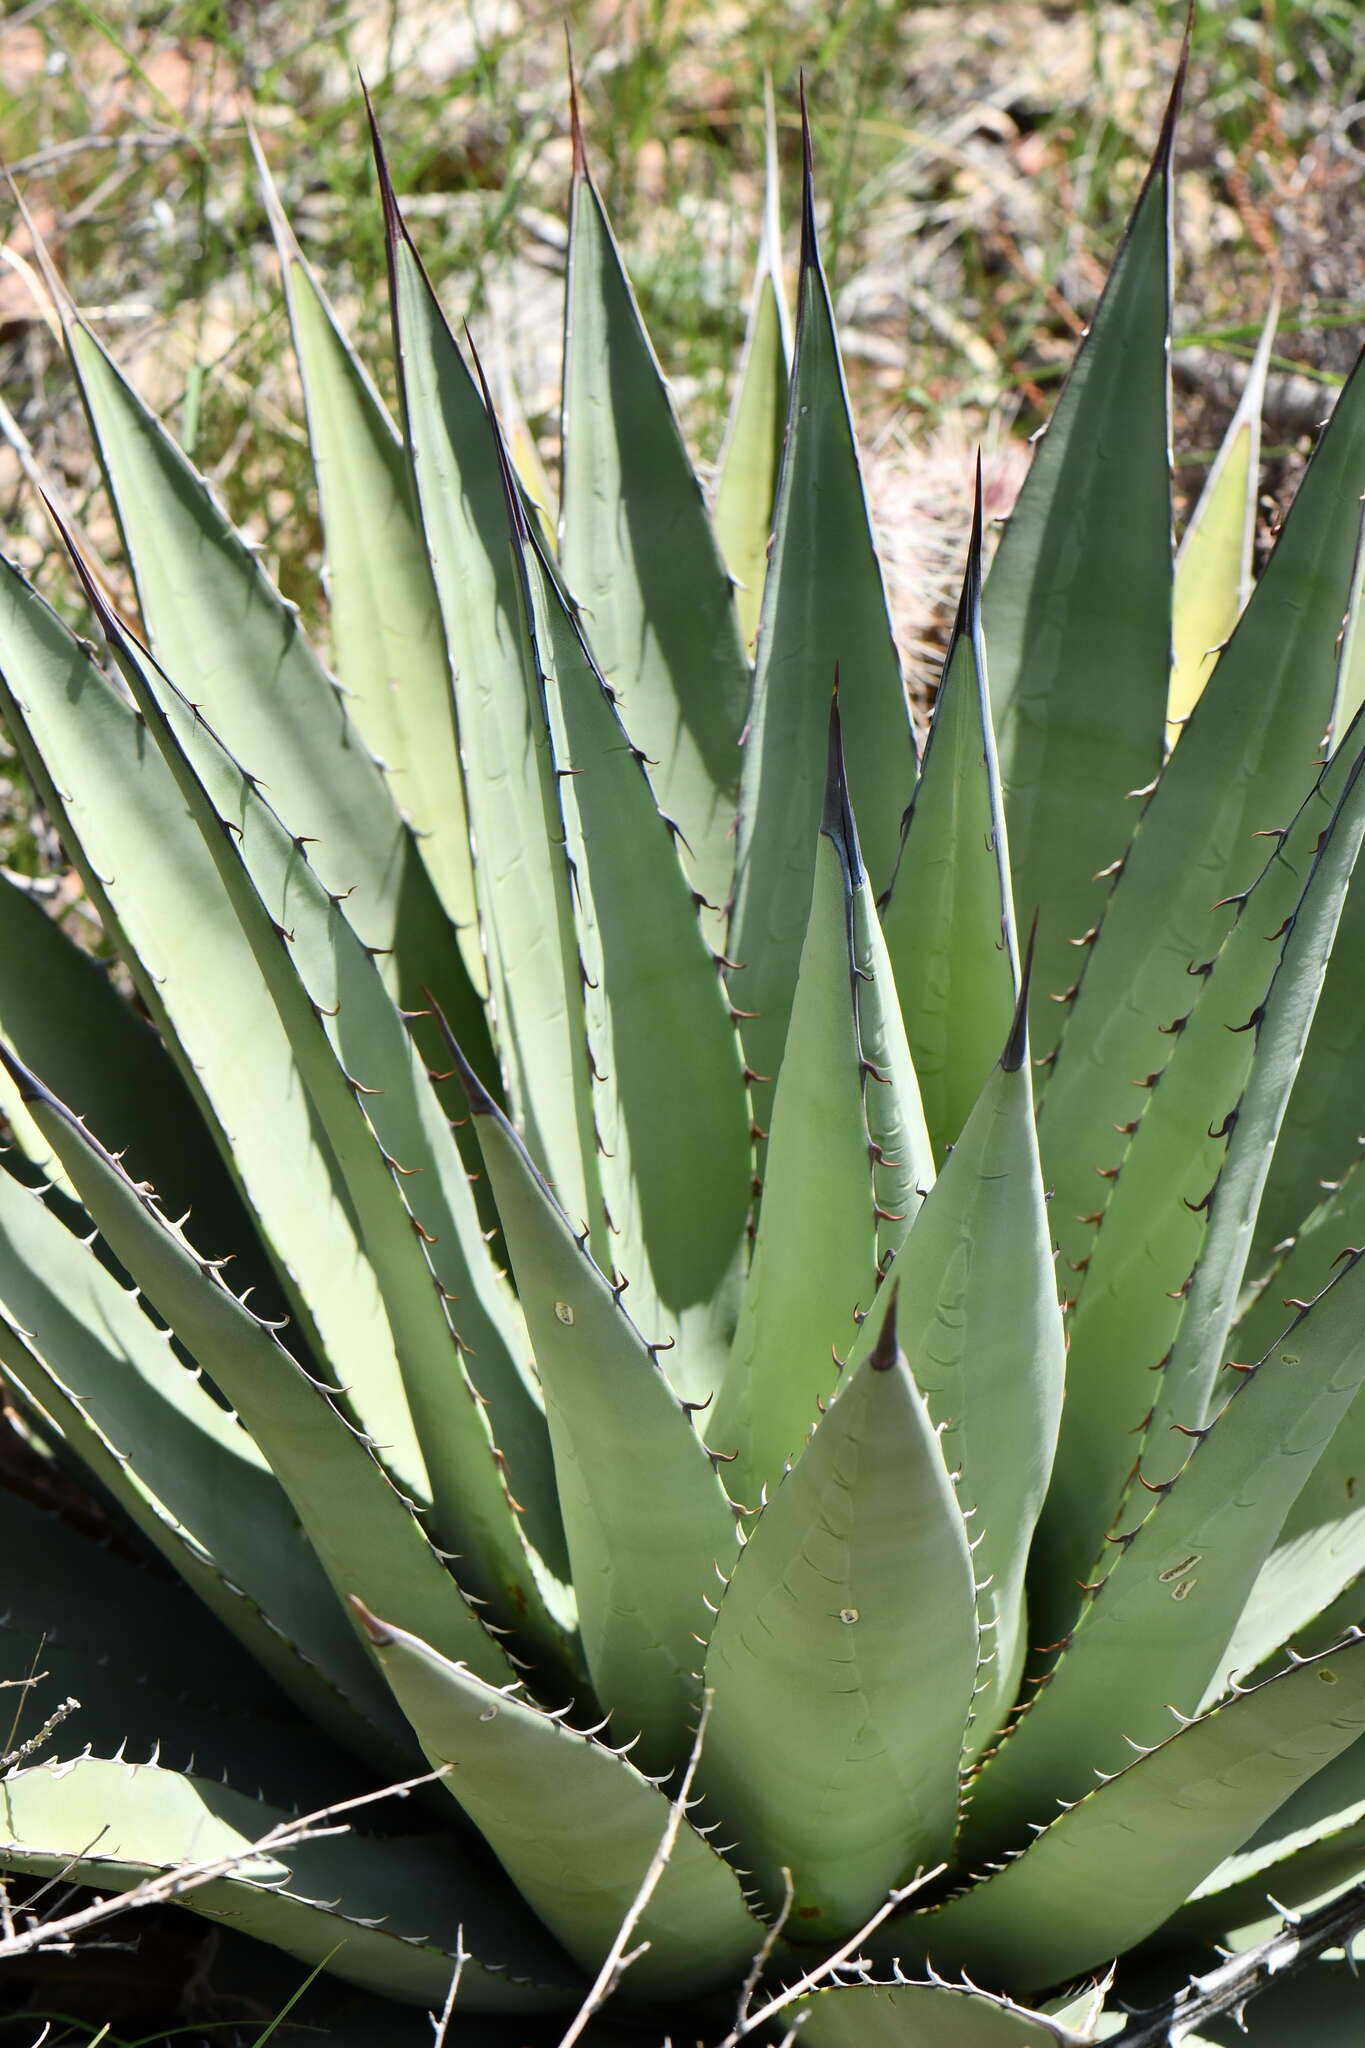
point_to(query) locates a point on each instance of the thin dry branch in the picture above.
(441, 2025)
(188, 1877)
(617, 1960)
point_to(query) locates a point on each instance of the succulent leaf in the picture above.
(652, 583)
(153, 878)
(1312, 1845)
(816, 1261)
(386, 626)
(389, 1134)
(182, 1691)
(835, 1736)
(670, 1114)
(747, 473)
(364, 1533)
(1266, 705)
(1076, 608)
(949, 914)
(574, 1824)
(903, 2014)
(821, 539)
(367, 1906)
(521, 877)
(980, 1324)
(1181, 1576)
(80, 1347)
(648, 1523)
(1164, 1822)
(1213, 564)
(216, 622)
(1314, 1151)
(1157, 1290)
(65, 1010)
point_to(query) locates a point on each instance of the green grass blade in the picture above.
(1266, 706)
(574, 1825)
(647, 1520)
(1154, 1633)
(217, 622)
(364, 1533)
(364, 1905)
(904, 2015)
(949, 916)
(521, 876)
(836, 1732)
(639, 553)
(192, 1480)
(669, 1105)
(1213, 564)
(821, 1233)
(1077, 604)
(395, 1151)
(746, 484)
(980, 1321)
(1163, 1241)
(160, 896)
(387, 634)
(1108, 1871)
(822, 542)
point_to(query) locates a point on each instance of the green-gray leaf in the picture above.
(574, 1824)
(843, 1660)
(364, 1533)
(1109, 1870)
(824, 1226)
(639, 553)
(822, 541)
(647, 1520)
(949, 915)
(1266, 706)
(1077, 603)
(1153, 1634)
(385, 620)
(980, 1323)
(381, 1912)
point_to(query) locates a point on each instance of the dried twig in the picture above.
(36, 1741)
(770, 1941)
(441, 2026)
(188, 1877)
(841, 1955)
(617, 1960)
(1230, 1987)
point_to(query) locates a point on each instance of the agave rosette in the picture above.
(776, 1420)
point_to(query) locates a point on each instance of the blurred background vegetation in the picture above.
(976, 163)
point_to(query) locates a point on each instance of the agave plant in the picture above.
(658, 1420)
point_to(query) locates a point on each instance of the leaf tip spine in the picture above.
(378, 1632)
(1016, 1045)
(886, 1350)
